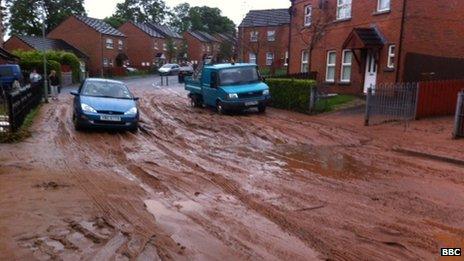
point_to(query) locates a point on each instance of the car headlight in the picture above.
(132, 111)
(266, 92)
(87, 108)
(232, 96)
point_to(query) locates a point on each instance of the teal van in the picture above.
(228, 87)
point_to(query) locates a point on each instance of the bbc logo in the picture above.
(450, 252)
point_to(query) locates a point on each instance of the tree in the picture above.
(226, 51)
(204, 18)
(142, 11)
(114, 21)
(26, 15)
(179, 17)
(171, 50)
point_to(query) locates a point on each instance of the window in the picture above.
(109, 43)
(110, 62)
(343, 9)
(383, 5)
(208, 49)
(252, 58)
(304, 61)
(156, 46)
(120, 44)
(347, 58)
(105, 62)
(391, 56)
(165, 47)
(308, 10)
(330, 72)
(271, 36)
(286, 58)
(254, 36)
(269, 58)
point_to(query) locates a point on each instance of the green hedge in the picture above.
(28, 66)
(59, 57)
(290, 94)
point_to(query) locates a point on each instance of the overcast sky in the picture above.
(234, 9)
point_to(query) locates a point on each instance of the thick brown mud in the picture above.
(195, 185)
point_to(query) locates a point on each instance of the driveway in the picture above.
(194, 185)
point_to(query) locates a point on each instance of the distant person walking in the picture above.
(54, 84)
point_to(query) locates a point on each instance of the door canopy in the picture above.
(364, 38)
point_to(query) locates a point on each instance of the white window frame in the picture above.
(165, 46)
(303, 62)
(105, 62)
(208, 48)
(156, 46)
(255, 59)
(254, 36)
(341, 4)
(271, 35)
(109, 43)
(383, 10)
(120, 44)
(308, 11)
(331, 65)
(391, 55)
(345, 64)
(269, 54)
(286, 59)
(110, 62)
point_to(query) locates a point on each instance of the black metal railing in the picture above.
(16, 104)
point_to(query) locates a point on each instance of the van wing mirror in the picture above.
(74, 93)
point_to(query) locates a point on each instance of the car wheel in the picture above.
(134, 129)
(262, 109)
(195, 101)
(220, 108)
(77, 125)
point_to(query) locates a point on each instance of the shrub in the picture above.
(28, 65)
(59, 57)
(290, 94)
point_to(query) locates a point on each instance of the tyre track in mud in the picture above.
(332, 133)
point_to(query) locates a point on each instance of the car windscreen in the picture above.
(6, 72)
(167, 66)
(106, 89)
(238, 75)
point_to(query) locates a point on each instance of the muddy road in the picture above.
(194, 185)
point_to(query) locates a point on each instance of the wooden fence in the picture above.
(438, 98)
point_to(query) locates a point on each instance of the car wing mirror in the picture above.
(136, 98)
(74, 93)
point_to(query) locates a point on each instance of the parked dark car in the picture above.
(105, 103)
(184, 72)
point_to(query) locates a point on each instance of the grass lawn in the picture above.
(332, 103)
(23, 131)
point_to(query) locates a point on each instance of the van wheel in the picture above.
(220, 108)
(195, 101)
(262, 109)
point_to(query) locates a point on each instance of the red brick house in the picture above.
(148, 44)
(105, 45)
(264, 36)
(201, 45)
(353, 45)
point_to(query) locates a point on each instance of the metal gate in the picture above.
(459, 121)
(391, 102)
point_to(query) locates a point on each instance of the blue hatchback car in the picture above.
(105, 103)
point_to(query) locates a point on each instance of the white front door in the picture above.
(371, 72)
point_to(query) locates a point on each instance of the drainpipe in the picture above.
(289, 37)
(400, 47)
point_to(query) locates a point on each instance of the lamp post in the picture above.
(44, 55)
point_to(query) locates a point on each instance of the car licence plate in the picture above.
(253, 103)
(110, 118)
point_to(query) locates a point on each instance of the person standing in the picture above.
(34, 77)
(54, 84)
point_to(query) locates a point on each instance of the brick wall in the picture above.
(90, 42)
(141, 46)
(333, 35)
(198, 49)
(278, 47)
